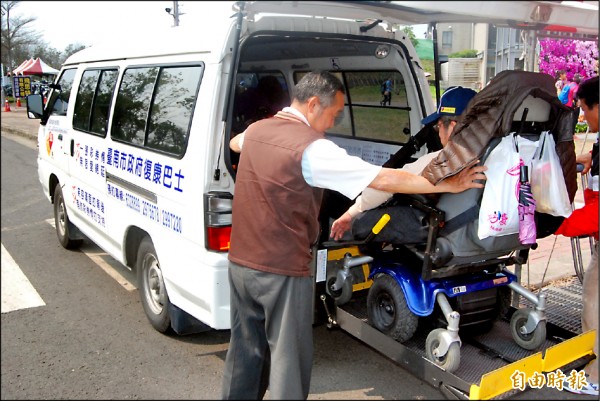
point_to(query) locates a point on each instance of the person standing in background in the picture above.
(571, 97)
(584, 221)
(561, 79)
(387, 92)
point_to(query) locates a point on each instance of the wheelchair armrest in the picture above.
(405, 199)
(423, 202)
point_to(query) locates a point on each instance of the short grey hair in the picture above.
(321, 84)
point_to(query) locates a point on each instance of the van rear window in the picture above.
(376, 107)
(154, 107)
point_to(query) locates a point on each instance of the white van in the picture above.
(134, 139)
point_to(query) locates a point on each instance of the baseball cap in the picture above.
(452, 103)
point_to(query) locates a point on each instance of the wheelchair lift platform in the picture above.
(491, 361)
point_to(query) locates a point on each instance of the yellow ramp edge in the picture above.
(558, 356)
(336, 254)
(500, 381)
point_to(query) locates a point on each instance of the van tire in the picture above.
(64, 227)
(151, 285)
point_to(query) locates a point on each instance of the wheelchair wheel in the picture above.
(451, 360)
(342, 295)
(388, 311)
(529, 341)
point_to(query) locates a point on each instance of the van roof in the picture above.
(207, 37)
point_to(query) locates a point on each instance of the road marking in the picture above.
(97, 256)
(17, 291)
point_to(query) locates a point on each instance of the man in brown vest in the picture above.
(285, 165)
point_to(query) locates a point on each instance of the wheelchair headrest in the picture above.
(538, 110)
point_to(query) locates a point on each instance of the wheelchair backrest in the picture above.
(462, 209)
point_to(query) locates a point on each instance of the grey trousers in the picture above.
(271, 342)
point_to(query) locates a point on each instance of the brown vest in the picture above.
(275, 212)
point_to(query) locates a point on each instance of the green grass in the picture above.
(381, 123)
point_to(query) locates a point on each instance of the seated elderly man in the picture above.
(452, 104)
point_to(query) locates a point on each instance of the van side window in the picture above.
(154, 107)
(92, 105)
(59, 98)
(171, 110)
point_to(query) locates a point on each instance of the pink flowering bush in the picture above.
(573, 56)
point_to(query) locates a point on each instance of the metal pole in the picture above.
(2, 89)
(10, 62)
(436, 63)
(176, 12)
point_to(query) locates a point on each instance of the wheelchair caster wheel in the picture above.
(342, 295)
(530, 341)
(451, 360)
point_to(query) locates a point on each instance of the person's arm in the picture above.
(369, 199)
(237, 142)
(583, 221)
(399, 181)
(340, 226)
(326, 165)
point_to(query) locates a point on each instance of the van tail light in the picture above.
(217, 220)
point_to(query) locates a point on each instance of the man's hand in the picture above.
(340, 226)
(586, 160)
(466, 179)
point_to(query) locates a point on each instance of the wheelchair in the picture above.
(434, 266)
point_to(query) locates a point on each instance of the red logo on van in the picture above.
(49, 142)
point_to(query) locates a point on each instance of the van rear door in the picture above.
(582, 18)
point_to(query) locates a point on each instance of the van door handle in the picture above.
(72, 147)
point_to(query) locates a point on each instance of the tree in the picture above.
(69, 50)
(16, 36)
(20, 43)
(54, 57)
(49, 54)
(408, 30)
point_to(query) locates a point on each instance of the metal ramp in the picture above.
(488, 360)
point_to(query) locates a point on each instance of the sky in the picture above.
(62, 23)
(89, 22)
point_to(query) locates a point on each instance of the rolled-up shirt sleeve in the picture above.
(326, 165)
(369, 199)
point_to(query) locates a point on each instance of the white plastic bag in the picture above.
(526, 148)
(547, 179)
(499, 210)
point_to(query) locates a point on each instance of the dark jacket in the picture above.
(490, 114)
